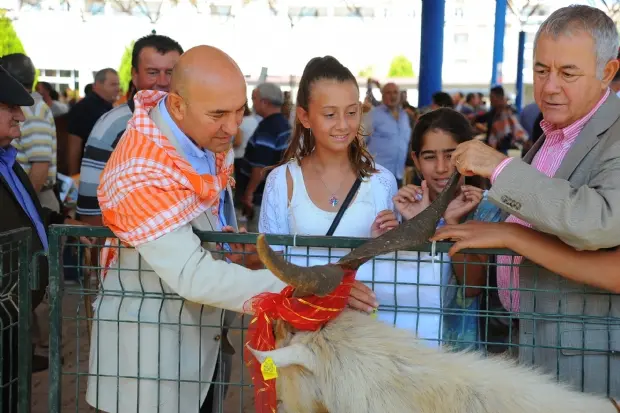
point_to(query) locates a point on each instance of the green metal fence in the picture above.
(133, 325)
(15, 321)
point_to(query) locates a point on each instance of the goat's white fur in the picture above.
(359, 364)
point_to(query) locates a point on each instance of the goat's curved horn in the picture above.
(318, 280)
(322, 279)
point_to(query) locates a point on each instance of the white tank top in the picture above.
(305, 218)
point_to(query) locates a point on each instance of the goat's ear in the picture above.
(294, 355)
(281, 331)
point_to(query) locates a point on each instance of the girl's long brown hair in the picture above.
(302, 141)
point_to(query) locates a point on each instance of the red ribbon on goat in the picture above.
(304, 313)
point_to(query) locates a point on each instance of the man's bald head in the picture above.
(391, 95)
(389, 87)
(203, 67)
(207, 97)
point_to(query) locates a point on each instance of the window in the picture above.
(307, 11)
(30, 6)
(96, 8)
(354, 12)
(61, 73)
(148, 8)
(219, 10)
(60, 87)
(139, 10)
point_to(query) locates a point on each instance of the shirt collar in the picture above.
(8, 155)
(99, 100)
(188, 146)
(576, 126)
(388, 110)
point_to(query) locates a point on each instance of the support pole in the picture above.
(498, 42)
(520, 63)
(431, 50)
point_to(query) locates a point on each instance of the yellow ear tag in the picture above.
(374, 313)
(269, 369)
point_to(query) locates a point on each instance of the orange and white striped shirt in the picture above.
(147, 189)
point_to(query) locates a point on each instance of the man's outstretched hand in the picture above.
(362, 298)
(243, 254)
(476, 158)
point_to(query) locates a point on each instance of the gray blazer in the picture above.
(571, 330)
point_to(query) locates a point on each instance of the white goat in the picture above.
(359, 364)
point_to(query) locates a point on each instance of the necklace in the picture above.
(333, 200)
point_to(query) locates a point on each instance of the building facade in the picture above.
(69, 40)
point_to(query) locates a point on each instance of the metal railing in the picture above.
(133, 326)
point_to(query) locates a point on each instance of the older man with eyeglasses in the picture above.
(568, 185)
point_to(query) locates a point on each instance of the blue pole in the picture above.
(520, 62)
(498, 42)
(431, 50)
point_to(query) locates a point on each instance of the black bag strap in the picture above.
(344, 206)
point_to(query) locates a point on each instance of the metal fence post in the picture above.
(25, 325)
(14, 263)
(55, 320)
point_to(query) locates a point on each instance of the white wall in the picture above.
(255, 38)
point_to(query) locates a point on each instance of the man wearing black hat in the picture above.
(19, 208)
(36, 148)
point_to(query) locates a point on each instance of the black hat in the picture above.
(12, 92)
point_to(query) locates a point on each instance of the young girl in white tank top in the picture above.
(302, 196)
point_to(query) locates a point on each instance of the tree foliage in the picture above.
(401, 67)
(368, 71)
(9, 40)
(124, 71)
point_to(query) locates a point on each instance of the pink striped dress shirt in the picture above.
(547, 160)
